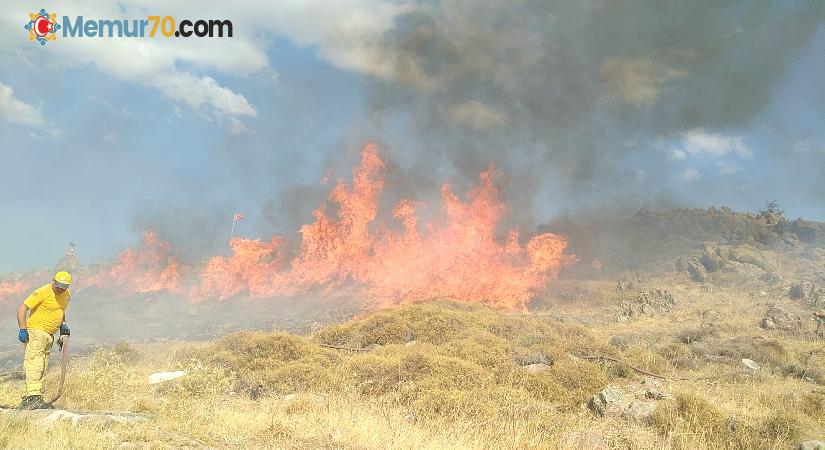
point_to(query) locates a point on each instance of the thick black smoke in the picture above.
(568, 97)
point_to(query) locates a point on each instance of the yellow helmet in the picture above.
(62, 279)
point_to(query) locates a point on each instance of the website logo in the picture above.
(42, 26)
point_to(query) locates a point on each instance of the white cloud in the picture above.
(202, 94)
(689, 175)
(698, 142)
(473, 114)
(16, 111)
(346, 34)
(237, 127)
(727, 168)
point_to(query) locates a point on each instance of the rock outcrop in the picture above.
(777, 318)
(648, 303)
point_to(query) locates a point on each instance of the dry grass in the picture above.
(450, 375)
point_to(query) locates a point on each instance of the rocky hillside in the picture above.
(653, 240)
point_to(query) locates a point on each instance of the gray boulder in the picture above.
(777, 318)
(697, 271)
(812, 445)
(609, 401)
(648, 303)
(536, 368)
(749, 365)
(656, 394)
(711, 261)
(639, 412)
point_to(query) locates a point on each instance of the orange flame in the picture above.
(149, 268)
(252, 269)
(455, 255)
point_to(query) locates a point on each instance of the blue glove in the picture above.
(23, 335)
(64, 329)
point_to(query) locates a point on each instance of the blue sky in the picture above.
(103, 139)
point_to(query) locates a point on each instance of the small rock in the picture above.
(585, 439)
(649, 302)
(812, 445)
(697, 271)
(712, 261)
(411, 343)
(771, 278)
(639, 412)
(160, 377)
(60, 415)
(655, 394)
(651, 382)
(777, 318)
(749, 365)
(533, 358)
(536, 368)
(409, 336)
(609, 401)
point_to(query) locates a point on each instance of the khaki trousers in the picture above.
(36, 360)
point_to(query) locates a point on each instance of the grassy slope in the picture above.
(460, 383)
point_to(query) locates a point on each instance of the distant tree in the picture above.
(772, 209)
(774, 215)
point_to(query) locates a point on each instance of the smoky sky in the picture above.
(568, 98)
(577, 103)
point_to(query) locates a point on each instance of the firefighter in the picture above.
(46, 310)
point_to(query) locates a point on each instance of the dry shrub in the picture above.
(813, 404)
(127, 353)
(644, 358)
(689, 335)
(466, 361)
(264, 362)
(482, 348)
(435, 323)
(387, 369)
(692, 420)
(691, 412)
(780, 428)
(679, 355)
(581, 379)
(200, 381)
(763, 351)
(541, 386)
(814, 366)
(10, 427)
(469, 331)
(106, 383)
(454, 404)
(301, 403)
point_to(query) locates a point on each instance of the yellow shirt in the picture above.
(47, 308)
